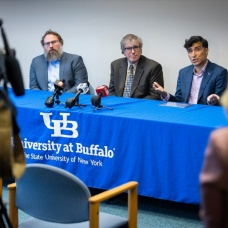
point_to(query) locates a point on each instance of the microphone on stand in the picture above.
(102, 91)
(59, 86)
(81, 88)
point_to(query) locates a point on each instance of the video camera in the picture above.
(12, 161)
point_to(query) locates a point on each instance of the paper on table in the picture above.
(176, 104)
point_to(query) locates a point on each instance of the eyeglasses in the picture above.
(52, 42)
(129, 49)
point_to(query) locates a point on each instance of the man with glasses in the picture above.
(134, 75)
(203, 82)
(55, 64)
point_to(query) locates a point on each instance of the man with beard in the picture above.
(55, 64)
(203, 82)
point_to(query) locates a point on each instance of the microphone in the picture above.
(81, 88)
(59, 86)
(13, 70)
(102, 91)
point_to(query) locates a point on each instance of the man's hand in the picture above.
(213, 99)
(160, 90)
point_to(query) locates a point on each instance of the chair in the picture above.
(56, 198)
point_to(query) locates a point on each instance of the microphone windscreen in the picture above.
(102, 91)
(14, 75)
(96, 101)
(83, 87)
(60, 84)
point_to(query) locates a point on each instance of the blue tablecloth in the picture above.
(159, 146)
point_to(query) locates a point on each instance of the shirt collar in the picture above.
(202, 70)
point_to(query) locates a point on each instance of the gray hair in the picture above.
(132, 38)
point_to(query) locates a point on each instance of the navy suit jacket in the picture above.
(72, 69)
(147, 72)
(214, 82)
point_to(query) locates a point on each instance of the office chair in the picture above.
(56, 198)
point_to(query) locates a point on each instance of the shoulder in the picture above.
(187, 68)
(119, 61)
(218, 140)
(70, 56)
(38, 58)
(144, 60)
(218, 133)
(211, 66)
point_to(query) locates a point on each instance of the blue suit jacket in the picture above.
(214, 82)
(72, 69)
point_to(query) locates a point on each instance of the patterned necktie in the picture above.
(130, 78)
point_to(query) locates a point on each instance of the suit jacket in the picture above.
(214, 181)
(214, 82)
(72, 69)
(147, 72)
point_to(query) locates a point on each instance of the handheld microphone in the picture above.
(102, 91)
(59, 86)
(81, 88)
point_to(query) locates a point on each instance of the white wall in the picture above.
(94, 28)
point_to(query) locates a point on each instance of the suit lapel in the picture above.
(206, 78)
(188, 84)
(138, 74)
(45, 73)
(122, 73)
(62, 66)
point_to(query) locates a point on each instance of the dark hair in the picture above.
(194, 39)
(50, 32)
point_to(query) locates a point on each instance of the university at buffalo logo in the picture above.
(62, 127)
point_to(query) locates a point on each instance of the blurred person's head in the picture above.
(224, 99)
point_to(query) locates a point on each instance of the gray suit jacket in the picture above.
(72, 69)
(214, 82)
(214, 181)
(147, 72)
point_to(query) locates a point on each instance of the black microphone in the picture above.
(81, 88)
(59, 86)
(13, 70)
(14, 75)
(102, 91)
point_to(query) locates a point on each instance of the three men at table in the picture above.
(203, 82)
(55, 64)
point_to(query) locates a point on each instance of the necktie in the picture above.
(128, 85)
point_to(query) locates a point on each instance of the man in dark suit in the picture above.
(55, 64)
(214, 177)
(203, 82)
(145, 72)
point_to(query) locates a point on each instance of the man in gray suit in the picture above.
(55, 64)
(203, 82)
(145, 72)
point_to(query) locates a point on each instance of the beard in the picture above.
(53, 54)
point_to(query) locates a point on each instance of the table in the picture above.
(141, 140)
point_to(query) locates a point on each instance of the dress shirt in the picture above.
(196, 82)
(53, 74)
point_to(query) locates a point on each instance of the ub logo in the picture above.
(60, 126)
